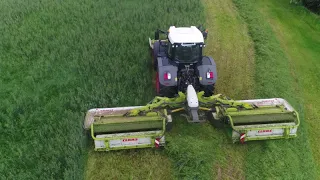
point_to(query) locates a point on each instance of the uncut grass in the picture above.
(281, 159)
(58, 59)
(298, 32)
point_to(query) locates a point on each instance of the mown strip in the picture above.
(232, 48)
(300, 40)
(281, 159)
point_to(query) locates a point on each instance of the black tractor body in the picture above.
(181, 64)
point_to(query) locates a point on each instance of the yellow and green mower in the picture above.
(145, 126)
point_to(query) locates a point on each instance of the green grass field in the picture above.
(60, 58)
(298, 32)
(280, 159)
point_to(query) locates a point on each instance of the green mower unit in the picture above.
(185, 82)
(112, 130)
(145, 126)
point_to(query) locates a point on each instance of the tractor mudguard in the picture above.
(164, 67)
(207, 64)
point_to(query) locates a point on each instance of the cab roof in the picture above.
(185, 35)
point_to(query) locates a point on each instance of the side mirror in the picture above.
(205, 34)
(156, 35)
(204, 31)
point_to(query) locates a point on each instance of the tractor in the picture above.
(185, 81)
(179, 61)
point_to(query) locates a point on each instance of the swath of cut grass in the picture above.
(298, 32)
(281, 159)
(192, 148)
(232, 48)
(131, 164)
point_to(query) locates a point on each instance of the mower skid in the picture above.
(272, 119)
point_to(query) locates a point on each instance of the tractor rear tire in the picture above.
(155, 52)
(166, 91)
(208, 90)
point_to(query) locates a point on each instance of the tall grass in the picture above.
(60, 58)
(283, 159)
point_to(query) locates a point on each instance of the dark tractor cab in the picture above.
(181, 64)
(185, 52)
